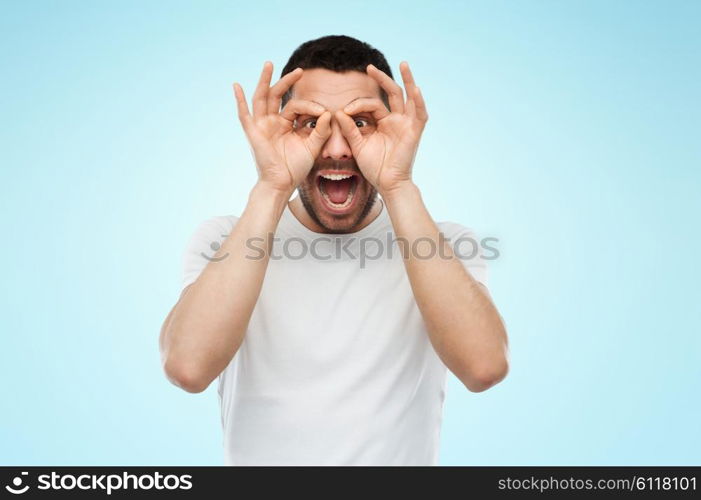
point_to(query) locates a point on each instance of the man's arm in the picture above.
(206, 327)
(464, 327)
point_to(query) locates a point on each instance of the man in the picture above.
(329, 350)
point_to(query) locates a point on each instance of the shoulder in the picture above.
(212, 229)
(216, 223)
(454, 228)
(459, 234)
(210, 232)
(204, 241)
(467, 246)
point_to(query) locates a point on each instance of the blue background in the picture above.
(568, 130)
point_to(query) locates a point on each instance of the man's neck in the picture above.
(300, 212)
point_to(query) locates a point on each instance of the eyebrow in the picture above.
(352, 100)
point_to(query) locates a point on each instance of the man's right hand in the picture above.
(283, 156)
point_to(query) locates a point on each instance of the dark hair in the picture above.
(338, 53)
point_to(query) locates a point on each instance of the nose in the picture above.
(336, 146)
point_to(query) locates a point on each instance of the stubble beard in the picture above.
(306, 199)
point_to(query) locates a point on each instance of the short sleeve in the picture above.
(203, 245)
(467, 247)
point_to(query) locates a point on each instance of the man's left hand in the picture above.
(385, 145)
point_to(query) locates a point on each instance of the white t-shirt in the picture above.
(336, 367)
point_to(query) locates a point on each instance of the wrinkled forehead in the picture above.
(334, 90)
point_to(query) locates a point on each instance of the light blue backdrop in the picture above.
(568, 130)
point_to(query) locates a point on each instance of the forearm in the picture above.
(206, 327)
(464, 327)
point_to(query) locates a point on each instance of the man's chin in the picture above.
(339, 219)
(340, 223)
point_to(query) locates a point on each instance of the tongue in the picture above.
(338, 191)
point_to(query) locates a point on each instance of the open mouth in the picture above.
(338, 189)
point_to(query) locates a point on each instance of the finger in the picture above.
(260, 97)
(242, 106)
(394, 91)
(278, 90)
(410, 109)
(321, 133)
(371, 105)
(415, 104)
(420, 105)
(409, 84)
(296, 107)
(350, 131)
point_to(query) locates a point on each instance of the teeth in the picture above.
(336, 177)
(338, 205)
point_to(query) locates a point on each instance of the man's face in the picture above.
(335, 193)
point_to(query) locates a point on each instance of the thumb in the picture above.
(321, 133)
